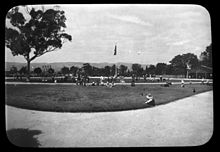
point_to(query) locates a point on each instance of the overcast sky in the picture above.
(145, 34)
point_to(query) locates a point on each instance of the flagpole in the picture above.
(115, 63)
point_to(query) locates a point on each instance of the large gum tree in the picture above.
(34, 32)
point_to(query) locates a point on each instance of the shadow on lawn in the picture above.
(23, 137)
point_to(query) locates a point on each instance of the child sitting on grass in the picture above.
(150, 100)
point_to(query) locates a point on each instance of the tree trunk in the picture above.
(116, 71)
(28, 70)
(185, 73)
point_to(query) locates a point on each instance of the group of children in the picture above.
(110, 82)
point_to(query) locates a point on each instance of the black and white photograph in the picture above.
(108, 75)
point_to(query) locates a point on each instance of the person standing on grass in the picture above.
(132, 80)
(87, 79)
(53, 78)
(84, 80)
(203, 80)
(161, 78)
(144, 76)
(101, 80)
(112, 80)
(182, 83)
(78, 79)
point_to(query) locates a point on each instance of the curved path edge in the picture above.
(187, 122)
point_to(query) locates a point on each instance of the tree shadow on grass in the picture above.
(23, 137)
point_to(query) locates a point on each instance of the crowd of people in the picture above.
(110, 82)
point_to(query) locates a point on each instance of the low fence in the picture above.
(105, 79)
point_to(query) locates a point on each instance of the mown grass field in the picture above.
(71, 98)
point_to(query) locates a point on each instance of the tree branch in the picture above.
(25, 57)
(33, 57)
(38, 55)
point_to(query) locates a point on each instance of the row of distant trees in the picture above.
(177, 66)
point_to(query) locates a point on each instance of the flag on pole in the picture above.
(115, 50)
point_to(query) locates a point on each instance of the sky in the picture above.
(143, 33)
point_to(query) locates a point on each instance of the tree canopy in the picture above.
(42, 33)
(38, 70)
(50, 71)
(13, 70)
(160, 68)
(73, 70)
(151, 69)
(206, 56)
(123, 69)
(180, 62)
(23, 70)
(87, 68)
(137, 69)
(65, 70)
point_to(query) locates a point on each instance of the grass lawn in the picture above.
(69, 98)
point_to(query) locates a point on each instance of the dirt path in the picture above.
(187, 121)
